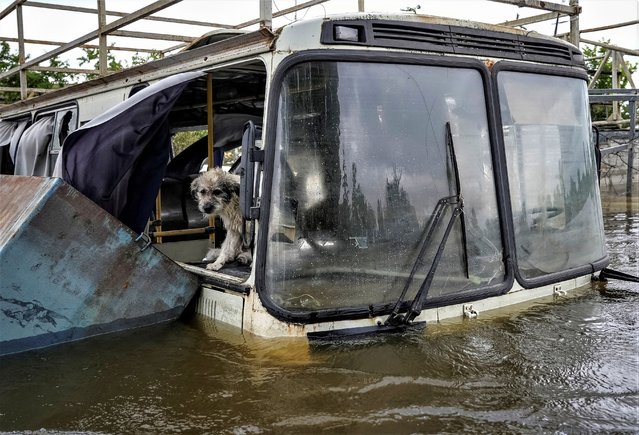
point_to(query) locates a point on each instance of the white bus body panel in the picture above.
(247, 313)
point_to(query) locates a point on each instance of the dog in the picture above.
(218, 193)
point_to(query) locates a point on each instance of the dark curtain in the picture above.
(118, 159)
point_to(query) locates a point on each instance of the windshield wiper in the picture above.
(395, 318)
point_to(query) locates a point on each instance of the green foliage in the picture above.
(35, 79)
(7, 59)
(91, 58)
(594, 56)
(53, 80)
(139, 59)
(182, 139)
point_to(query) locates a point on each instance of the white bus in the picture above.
(395, 169)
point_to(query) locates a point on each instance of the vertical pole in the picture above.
(102, 37)
(574, 25)
(209, 111)
(158, 216)
(210, 139)
(266, 14)
(360, 6)
(615, 85)
(21, 53)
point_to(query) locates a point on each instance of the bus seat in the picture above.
(172, 192)
(32, 152)
(194, 217)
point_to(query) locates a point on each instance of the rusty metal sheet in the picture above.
(70, 270)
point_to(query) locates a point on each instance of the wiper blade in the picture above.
(395, 318)
(416, 306)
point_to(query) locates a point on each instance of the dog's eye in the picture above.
(217, 192)
(202, 191)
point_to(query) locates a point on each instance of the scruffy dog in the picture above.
(218, 193)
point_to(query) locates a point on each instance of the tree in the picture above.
(91, 58)
(594, 56)
(35, 79)
(183, 139)
(55, 79)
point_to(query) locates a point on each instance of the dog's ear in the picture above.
(195, 186)
(236, 188)
(231, 187)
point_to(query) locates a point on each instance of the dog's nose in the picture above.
(207, 209)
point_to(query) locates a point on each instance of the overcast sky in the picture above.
(66, 26)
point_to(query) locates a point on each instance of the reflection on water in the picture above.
(568, 366)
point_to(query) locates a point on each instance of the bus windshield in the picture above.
(552, 172)
(361, 162)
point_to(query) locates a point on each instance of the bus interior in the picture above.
(30, 145)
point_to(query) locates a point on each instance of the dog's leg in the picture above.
(245, 257)
(211, 255)
(228, 252)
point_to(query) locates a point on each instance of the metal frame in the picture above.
(114, 29)
(630, 135)
(265, 19)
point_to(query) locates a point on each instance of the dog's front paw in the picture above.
(214, 266)
(211, 255)
(245, 258)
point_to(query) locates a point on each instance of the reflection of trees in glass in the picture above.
(344, 212)
(393, 217)
(362, 214)
(356, 216)
(313, 131)
(579, 192)
(380, 220)
(399, 215)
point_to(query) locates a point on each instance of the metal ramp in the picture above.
(69, 270)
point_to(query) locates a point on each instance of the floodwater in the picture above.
(565, 366)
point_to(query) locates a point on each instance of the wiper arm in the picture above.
(416, 305)
(395, 318)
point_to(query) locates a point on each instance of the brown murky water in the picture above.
(564, 366)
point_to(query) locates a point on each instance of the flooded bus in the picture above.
(394, 170)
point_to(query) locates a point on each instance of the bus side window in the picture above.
(31, 154)
(137, 88)
(10, 132)
(13, 144)
(66, 122)
(65, 126)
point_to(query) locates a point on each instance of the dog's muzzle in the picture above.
(207, 208)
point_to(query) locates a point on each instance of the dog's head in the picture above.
(214, 190)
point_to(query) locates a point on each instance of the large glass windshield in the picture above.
(362, 159)
(551, 171)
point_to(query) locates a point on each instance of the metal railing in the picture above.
(104, 30)
(617, 135)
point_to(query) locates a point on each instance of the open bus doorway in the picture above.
(126, 160)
